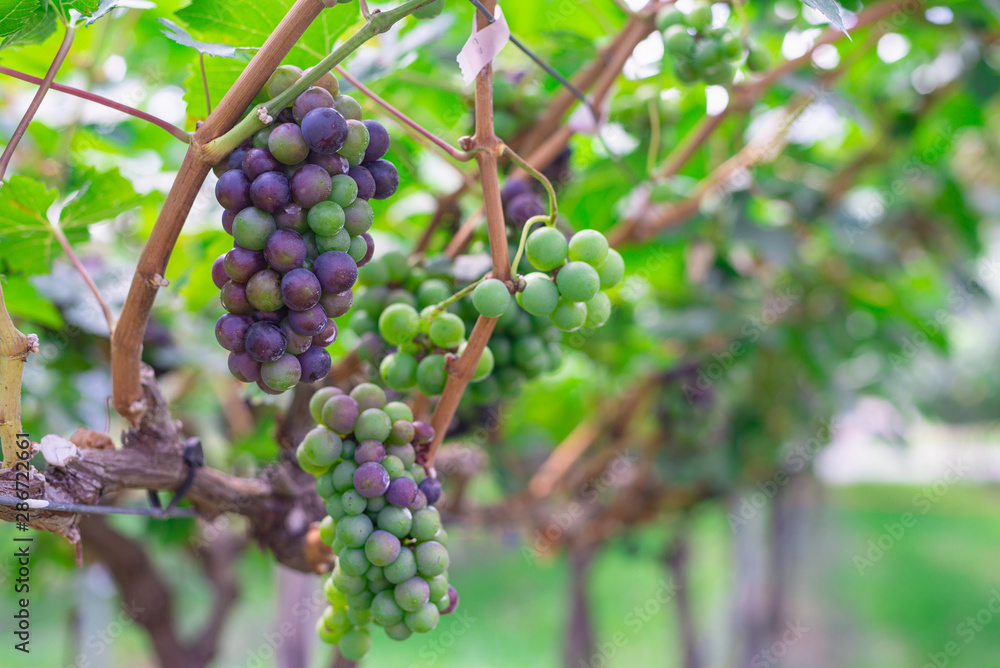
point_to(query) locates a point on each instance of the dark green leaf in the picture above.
(101, 197)
(38, 25)
(83, 7)
(14, 14)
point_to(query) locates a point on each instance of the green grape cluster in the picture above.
(392, 555)
(701, 52)
(572, 293)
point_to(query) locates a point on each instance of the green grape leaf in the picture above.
(82, 7)
(831, 10)
(101, 196)
(27, 246)
(33, 29)
(24, 301)
(178, 34)
(14, 14)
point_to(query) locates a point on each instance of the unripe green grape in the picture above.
(540, 295)
(334, 507)
(374, 506)
(260, 137)
(685, 72)
(578, 282)
(399, 371)
(405, 453)
(412, 594)
(354, 530)
(678, 42)
(491, 298)
(358, 249)
(612, 270)
(569, 316)
(361, 600)
(382, 548)
(447, 331)
(349, 447)
(349, 584)
(700, 18)
(348, 107)
(356, 643)
(485, 366)
(402, 569)
(362, 323)
(397, 410)
(374, 273)
(402, 433)
(398, 266)
(353, 561)
(283, 78)
(394, 466)
(328, 530)
(321, 396)
(441, 537)
(397, 521)
(307, 465)
(598, 310)
(546, 248)
(354, 503)
(432, 375)
(344, 190)
(322, 447)
(399, 323)
(732, 47)
(588, 246)
(324, 485)
(398, 631)
(432, 559)
(340, 241)
(334, 595)
(442, 603)
(368, 395)
(373, 424)
(326, 218)
(359, 617)
(707, 53)
(423, 620)
(438, 586)
(426, 523)
(327, 635)
(431, 292)
(343, 475)
(719, 75)
(385, 610)
(670, 16)
(758, 59)
(357, 140)
(335, 617)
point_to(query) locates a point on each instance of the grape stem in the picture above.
(524, 239)
(100, 99)
(526, 166)
(377, 23)
(364, 8)
(14, 348)
(204, 81)
(449, 150)
(36, 101)
(445, 303)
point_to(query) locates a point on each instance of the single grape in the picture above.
(425, 432)
(700, 17)
(431, 488)
(447, 330)
(258, 161)
(588, 246)
(234, 298)
(569, 316)
(355, 644)
(402, 432)
(732, 47)
(378, 142)
(282, 79)
(540, 295)
(261, 136)
(523, 208)
(452, 601)
(268, 390)
(399, 371)
(395, 520)
(231, 329)
(405, 453)
(336, 271)
(364, 180)
(373, 423)
(291, 218)
(328, 82)
(228, 216)
(485, 365)
(271, 316)
(354, 530)
(358, 249)
(382, 548)
(241, 264)
(284, 250)
(310, 185)
(397, 410)
(354, 504)
(369, 395)
(612, 270)
(264, 290)
(403, 568)
(319, 399)
(546, 248)
(399, 323)
(282, 374)
(369, 451)
(311, 98)
(386, 178)
(343, 473)
(340, 241)
(252, 227)
(334, 164)
(334, 507)
(370, 243)
(315, 363)
(348, 106)
(432, 558)
(232, 190)
(326, 218)
(300, 290)
(328, 335)
(707, 52)
(321, 447)
(402, 492)
(678, 42)
(412, 594)
(431, 292)
(235, 159)
(670, 16)
(357, 139)
(719, 75)
(243, 367)
(598, 310)
(426, 523)
(398, 631)
(344, 190)
(287, 145)
(432, 375)
(358, 217)
(758, 59)
(423, 620)
(491, 298)
(337, 304)
(578, 282)
(385, 610)
(310, 322)
(324, 130)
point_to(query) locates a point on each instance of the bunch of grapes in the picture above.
(296, 202)
(571, 294)
(701, 52)
(392, 556)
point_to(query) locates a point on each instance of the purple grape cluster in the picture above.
(296, 199)
(392, 556)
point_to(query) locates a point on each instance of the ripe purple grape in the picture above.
(334, 163)
(291, 218)
(219, 276)
(309, 322)
(369, 451)
(452, 601)
(297, 343)
(316, 364)
(285, 250)
(235, 159)
(336, 271)
(234, 298)
(311, 98)
(231, 329)
(228, 217)
(243, 367)
(340, 413)
(300, 290)
(431, 487)
(378, 141)
(265, 342)
(287, 145)
(523, 207)
(265, 388)
(264, 290)
(282, 374)
(371, 480)
(370, 242)
(329, 333)
(512, 189)
(365, 181)
(241, 264)
(386, 178)
(310, 185)
(324, 130)
(402, 492)
(271, 316)
(425, 432)
(358, 217)
(270, 192)
(232, 190)
(337, 304)
(259, 160)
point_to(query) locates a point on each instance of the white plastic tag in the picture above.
(483, 46)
